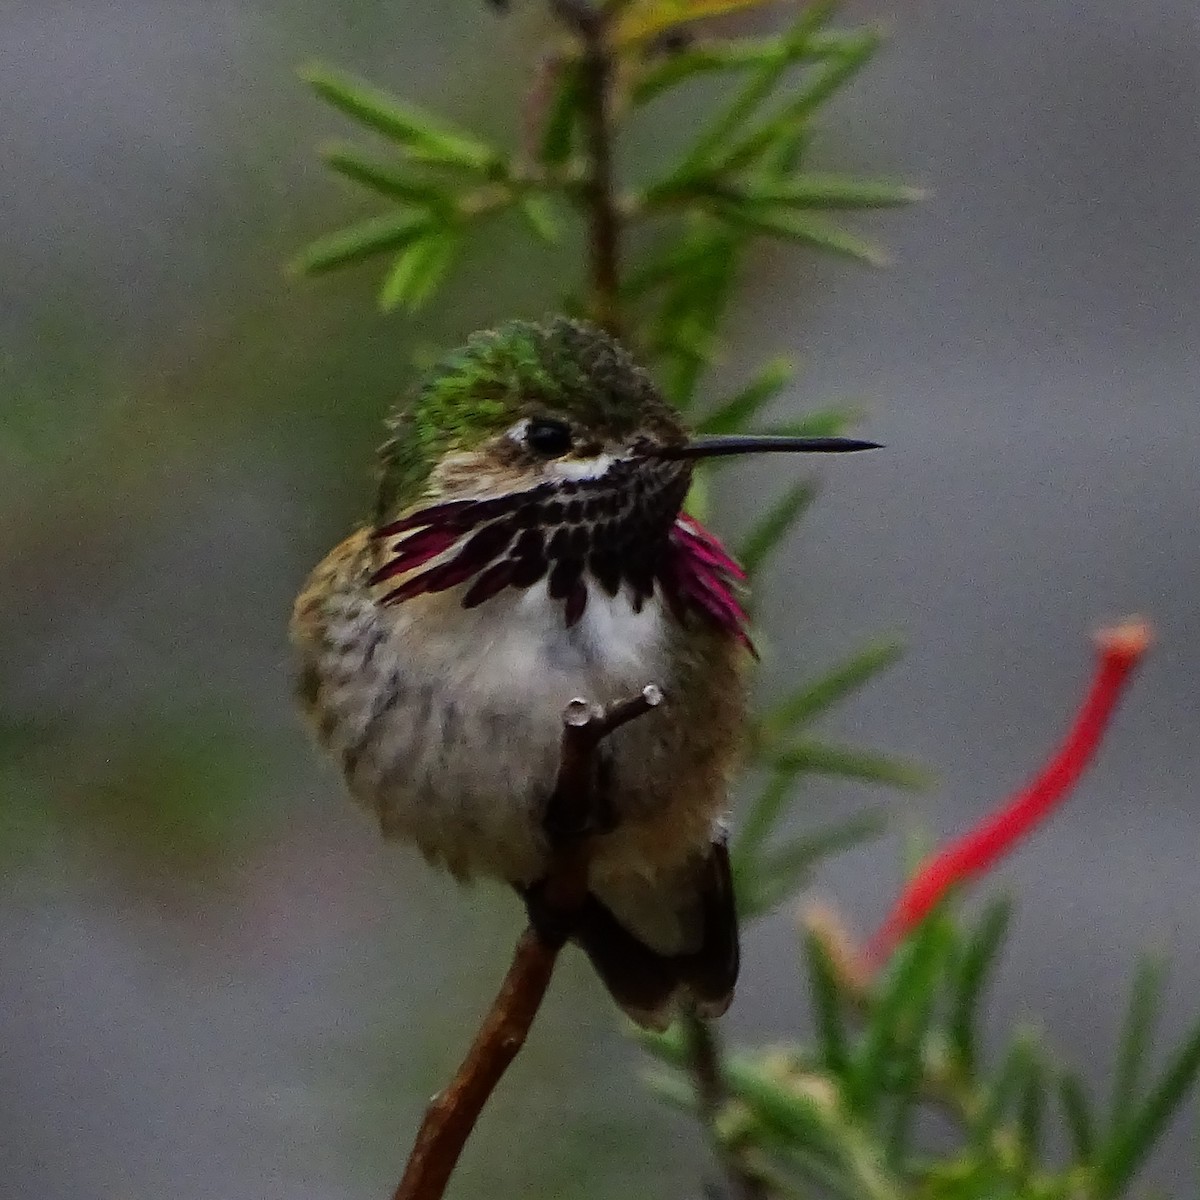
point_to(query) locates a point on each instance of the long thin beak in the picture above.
(714, 445)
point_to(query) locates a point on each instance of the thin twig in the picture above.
(704, 1061)
(599, 200)
(452, 1114)
(546, 77)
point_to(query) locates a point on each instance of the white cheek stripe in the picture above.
(581, 468)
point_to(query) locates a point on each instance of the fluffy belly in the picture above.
(448, 720)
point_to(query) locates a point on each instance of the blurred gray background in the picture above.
(214, 980)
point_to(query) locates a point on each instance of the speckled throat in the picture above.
(622, 530)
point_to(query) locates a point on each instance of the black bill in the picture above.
(722, 444)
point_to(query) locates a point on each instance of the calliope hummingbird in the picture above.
(528, 547)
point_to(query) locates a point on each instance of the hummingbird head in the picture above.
(540, 450)
(522, 406)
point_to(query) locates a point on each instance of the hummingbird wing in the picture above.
(667, 942)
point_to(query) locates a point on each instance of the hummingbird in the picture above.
(529, 546)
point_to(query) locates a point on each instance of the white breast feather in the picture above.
(520, 650)
(458, 772)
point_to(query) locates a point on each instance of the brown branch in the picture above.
(703, 1050)
(589, 23)
(452, 1114)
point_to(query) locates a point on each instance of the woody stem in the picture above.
(604, 223)
(452, 1114)
(703, 1049)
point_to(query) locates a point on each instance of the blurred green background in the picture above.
(216, 981)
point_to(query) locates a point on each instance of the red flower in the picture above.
(1120, 650)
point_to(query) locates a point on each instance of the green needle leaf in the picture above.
(846, 762)
(376, 236)
(690, 310)
(977, 961)
(822, 422)
(827, 1005)
(793, 119)
(801, 856)
(792, 1112)
(1145, 1000)
(409, 126)
(760, 85)
(707, 57)
(1128, 1149)
(679, 259)
(540, 214)
(807, 230)
(1031, 1106)
(698, 59)
(771, 528)
(794, 1160)
(385, 179)
(738, 411)
(419, 270)
(558, 133)
(667, 1045)
(784, 153)
(810, 1120)
(1077, 1112)
(830, 192)
(900, 1013)
(772, 876)
(1007, 1087)
(805, 192)
(764, 814)
(673, 1090)
(906, 1070)
(813, 699)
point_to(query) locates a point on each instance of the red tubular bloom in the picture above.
(1120, 650)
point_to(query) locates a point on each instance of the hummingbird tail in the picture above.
(666, 944)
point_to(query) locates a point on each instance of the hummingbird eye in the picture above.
(548, 437)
